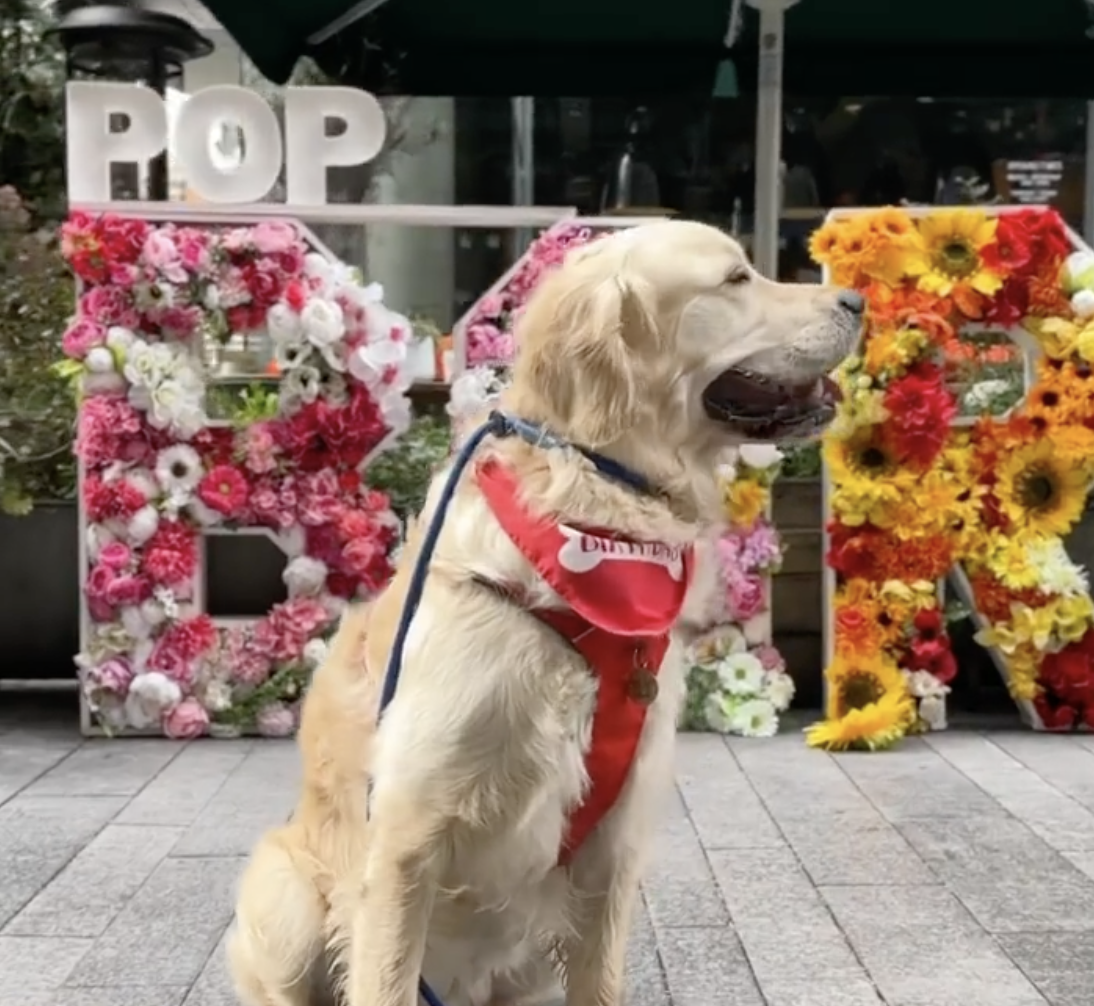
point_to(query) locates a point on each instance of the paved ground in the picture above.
(954, 872)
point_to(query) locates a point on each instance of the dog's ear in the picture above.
(584, 343)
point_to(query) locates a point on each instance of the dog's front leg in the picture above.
(391, 917)
(595, 954)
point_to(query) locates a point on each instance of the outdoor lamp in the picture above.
(113, 42)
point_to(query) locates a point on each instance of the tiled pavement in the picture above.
(957, 871)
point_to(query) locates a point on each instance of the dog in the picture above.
(478, 835)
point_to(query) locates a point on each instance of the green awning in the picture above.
(589, 47)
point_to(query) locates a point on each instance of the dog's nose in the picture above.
(851, 301)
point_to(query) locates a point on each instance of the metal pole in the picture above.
(1088, 177)
(523, 165)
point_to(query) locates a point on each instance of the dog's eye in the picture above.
(738, 276)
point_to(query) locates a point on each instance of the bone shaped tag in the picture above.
(582, 552)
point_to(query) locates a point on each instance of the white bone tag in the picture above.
(582, 552)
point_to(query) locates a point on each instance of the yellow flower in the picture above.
(1008, 560)
(745, 502)
(1058, 336)
(867, 482)
(952, 241)
(1023, 669)
(1039, 491)
(892, 351)
(868, 706)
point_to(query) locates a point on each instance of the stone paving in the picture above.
(956, 871)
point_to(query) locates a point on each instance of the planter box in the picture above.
(39, 593)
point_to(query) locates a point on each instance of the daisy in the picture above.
(178, 469)
(741, 674)
(778, 689)
(755, 718)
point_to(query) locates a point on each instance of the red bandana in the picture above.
(624, 597)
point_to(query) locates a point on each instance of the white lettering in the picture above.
(307, 151)
(582, 552)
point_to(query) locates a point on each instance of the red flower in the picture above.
(1069, 675)
(170, 557)
(1010, 253)
(923, 410)
(934, 657)
(296, 295)
(852, 551)
(1054, 717)
(224, 489)
(1010, 305)
(192, 637)
(109, 500)
(928, 623)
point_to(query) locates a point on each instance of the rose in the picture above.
(770, 658)
(169, 659)
(81, 337)
(113, 675)
(275, 720)
(116, 555)
(99, 580)
(186, 721)
(747, 597)
(126, 591)
(323, 322)
(304, 576)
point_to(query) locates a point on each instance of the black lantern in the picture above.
(109, 41)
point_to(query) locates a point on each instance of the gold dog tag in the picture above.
(642, 685)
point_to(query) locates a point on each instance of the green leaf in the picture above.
(13, 501)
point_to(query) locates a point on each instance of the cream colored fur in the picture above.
(480, 758)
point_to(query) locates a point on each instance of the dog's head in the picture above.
(666, 331)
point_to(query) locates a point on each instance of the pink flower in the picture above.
(224, 489)
(99, 580)
(490, 306)
(259, 448)
(168, 657)
(82, 336)
(273, 237)
(109, 305)
(162, 254)
(243, 659)
(125, 591)
(116, 555)
(770, 658)
(193, 250)
(186, 721)
(112, 675)
(747, 597)
(275, 719)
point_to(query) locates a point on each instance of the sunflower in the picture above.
(1039, 491)
(952, 263)
(868, 706)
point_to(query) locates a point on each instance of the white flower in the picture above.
(370, 362)
(96, 536)
(1057, 573)
(323, 322)
(471, 392)
(1079, 270)
(759, 457)
(119, 339)
(727, 473)
(741, 674)
(755, 718)
(167, 601)
(315, 652)
(142, 525)
(99, 360)
(152, 612)
(283, 325)
(932, 710)
(101, 384)
(178, 468)
(300, 385)
(218, 695)
(922, 684)
(304, 576)
(319, 267)
(1082, 303)
(778, 689)
(150, 696)
(718, 711)
(982, 395)
(211, 297)
(133, 622)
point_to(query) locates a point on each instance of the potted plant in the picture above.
(39, 611)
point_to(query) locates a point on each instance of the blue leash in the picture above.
(500, 425)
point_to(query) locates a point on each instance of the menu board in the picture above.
(1034, 181)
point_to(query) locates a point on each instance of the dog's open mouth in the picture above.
(763, 408)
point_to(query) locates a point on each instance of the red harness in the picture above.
(623, 597)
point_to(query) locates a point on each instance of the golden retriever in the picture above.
(659, 347)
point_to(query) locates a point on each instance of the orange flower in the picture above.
(858, 633)
(1046, 297)
(993, 600)
(918, 558)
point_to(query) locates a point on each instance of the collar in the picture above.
(539, 436)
